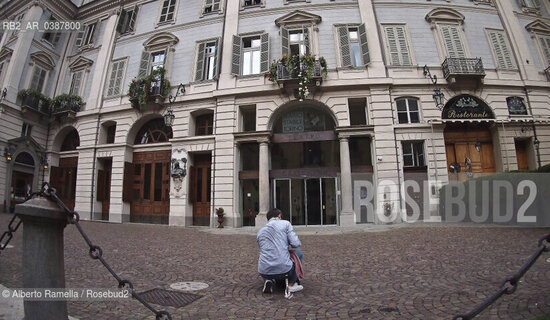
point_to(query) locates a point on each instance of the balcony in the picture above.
(455, 70)
(34, 102)
(149, 91)
(298, 74)
(66, 106)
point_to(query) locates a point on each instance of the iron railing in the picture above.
(462, 66)
(284, 74)
(36, 103)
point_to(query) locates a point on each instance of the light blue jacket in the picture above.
(273, 241)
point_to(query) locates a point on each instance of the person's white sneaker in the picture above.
(295, 288)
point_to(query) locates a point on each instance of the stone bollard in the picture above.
(43, 255)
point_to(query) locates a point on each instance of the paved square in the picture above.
(409, 272)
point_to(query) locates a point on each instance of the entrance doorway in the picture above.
(63, 179)
(104, 188)
(21, 185)
(200, 188)
(309, 201)
(469, 150)
(151, 186)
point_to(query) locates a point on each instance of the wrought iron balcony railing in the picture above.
(284, 74)
(462, 66)
(36, 103)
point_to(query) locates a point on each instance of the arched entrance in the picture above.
(22, 178)
(305, 162)
(147, 178)
(468, 138)
(63, 176)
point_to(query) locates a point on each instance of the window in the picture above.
(157, 60)
(516, 106)
(127, 21)
(111, 131)
(533, 4)
(452, 41)
(545, 46)
(503, 56)
(252, 53)
(207, 56)
(76, 81)
(413, 153)
(251, 3)
(26, 130)
(86, 36)
(397, 45)
(167, 11)
(407, 110)
(154, 131)
(115, 80)
(298, 42)
(211, 6)
(38, 78)
(354, 50)
(357, 114)
(52, 37)
(203, 124)
(248, 118)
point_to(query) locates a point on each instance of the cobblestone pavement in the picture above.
(412, 272)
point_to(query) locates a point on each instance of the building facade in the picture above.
(329, 110)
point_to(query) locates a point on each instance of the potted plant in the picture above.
(35, 100)
(219, 212)
(142, 90)
(66, 102)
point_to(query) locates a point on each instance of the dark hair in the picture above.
(273, 213)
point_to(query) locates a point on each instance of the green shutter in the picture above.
(200, 62)
(264, 52)
(236, 56)
(285, 48)
(144, 64)
(364, 44)
(345, 54)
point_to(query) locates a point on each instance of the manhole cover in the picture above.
(168, 297)
(189, 286)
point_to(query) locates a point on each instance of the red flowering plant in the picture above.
(140, 90)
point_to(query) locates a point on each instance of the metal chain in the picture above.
(96, 252)
(7, 235)
(509, 285)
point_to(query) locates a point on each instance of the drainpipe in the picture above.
(396, 151)
(505, 147)
(534, 127)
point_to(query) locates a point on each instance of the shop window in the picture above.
(357, 111)
(413, 153)
(407, 110)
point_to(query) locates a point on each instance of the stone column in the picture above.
(347, 216)
(231, 27)
(263, 184)
(20, 54)
(43, 258)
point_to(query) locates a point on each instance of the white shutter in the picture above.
(453, 43)
(264, 52)
(392, 46)
(75, 83)
(364, 43)
(345, 51)
(502, 53)
(118, 77)
(285, 45)
(403, 46)
(144, 64)
(236, 56)
(200, 62)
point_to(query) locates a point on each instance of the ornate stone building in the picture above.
(326, 109)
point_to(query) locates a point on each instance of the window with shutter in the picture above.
(89, 35)
(200, 62)
(38, 78)
(298, 42)
(207, 60)
(211, 6)
(76, 81)
(236, 55)
(345, 54)
(284, 41)
(264, 52)
(251, 55)
(127, 21)
(503, 57)
(251, 3)
(453, 41)
(144, 64)
(397, 45)
(116, 77)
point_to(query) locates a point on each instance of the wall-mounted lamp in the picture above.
(478, 146)
(179, 168)
(8, 153)
(44, 162)
(180, 90)
(438, 96)
(169, 117)
(536, 143)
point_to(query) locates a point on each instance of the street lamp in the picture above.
(169, 117)
(7, 153)
(438, 96)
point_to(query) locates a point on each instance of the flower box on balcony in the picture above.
(150, 90)
(66, 106)
(34, 100)
(299, 72)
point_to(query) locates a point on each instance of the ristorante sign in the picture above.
(466, 107)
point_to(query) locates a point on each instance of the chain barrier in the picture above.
(15, 222)
(509, 285)
(95, 251)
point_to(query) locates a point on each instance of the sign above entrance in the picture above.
(466, 107)
(303, 121)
